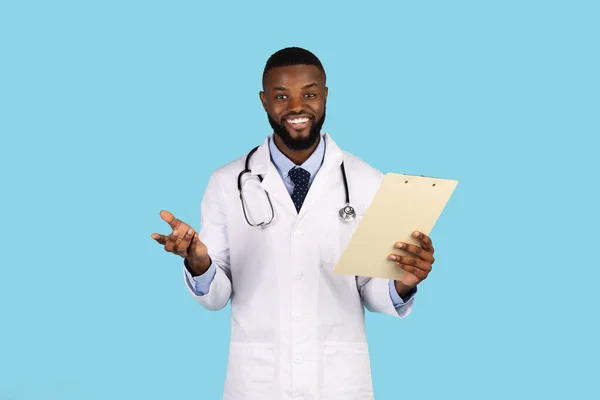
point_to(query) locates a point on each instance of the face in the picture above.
(294, 98)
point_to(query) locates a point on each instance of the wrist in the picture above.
(197, 266)
(402, 289)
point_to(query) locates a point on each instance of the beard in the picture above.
(299, 143)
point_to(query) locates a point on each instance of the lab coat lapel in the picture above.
(261, 164)
(321, 184)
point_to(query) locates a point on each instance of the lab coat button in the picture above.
(299, 275)
(297, 317)
(297, 233)
(298, 360)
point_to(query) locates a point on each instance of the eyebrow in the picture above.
(303, 87)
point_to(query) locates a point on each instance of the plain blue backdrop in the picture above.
(111, 111)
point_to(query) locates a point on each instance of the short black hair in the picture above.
(292, 56)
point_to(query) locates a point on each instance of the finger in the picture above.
(197, 248)
(194, 241)
(184, 244)
(427, 245)
(419, 273)
(416, 250)
(415, 262)
(170, 219)
(177, 237)
(179, 233)
(162, 239)
(170, 245)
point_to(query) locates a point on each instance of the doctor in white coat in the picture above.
(297, 329)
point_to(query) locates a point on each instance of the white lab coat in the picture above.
(297, 329)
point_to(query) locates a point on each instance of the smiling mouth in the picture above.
(297, 123)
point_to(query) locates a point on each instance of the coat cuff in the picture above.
(398, 301)
(200, 284)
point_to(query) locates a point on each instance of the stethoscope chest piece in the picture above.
(347, 213)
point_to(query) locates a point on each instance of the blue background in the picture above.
(111, 111)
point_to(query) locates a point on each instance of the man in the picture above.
(297, 329)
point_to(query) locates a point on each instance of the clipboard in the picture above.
(403, 204)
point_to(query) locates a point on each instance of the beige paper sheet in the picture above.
(403, 204)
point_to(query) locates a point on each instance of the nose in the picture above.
(296, 104)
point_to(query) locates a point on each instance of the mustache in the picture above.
(294, 114)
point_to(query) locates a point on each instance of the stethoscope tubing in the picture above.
(347, 212)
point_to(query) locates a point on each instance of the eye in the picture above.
(310, 95)
(281, 97)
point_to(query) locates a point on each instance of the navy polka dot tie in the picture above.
(300, 177)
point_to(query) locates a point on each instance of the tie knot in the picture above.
(299, 176)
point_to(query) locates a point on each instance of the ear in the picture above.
(326, 92)
(263, 99)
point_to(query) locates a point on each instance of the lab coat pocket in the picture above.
(347, 370)
(250, 371)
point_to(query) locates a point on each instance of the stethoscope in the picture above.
(346, 213)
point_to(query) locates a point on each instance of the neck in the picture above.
(298, 157)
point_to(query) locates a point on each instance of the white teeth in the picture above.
(297, 120)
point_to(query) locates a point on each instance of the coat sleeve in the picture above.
(213, 233)
(376, 297)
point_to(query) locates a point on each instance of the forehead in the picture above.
(294, 76)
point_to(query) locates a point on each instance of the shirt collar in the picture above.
(284, 164)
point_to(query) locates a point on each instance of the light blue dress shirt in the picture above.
(201, 284)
